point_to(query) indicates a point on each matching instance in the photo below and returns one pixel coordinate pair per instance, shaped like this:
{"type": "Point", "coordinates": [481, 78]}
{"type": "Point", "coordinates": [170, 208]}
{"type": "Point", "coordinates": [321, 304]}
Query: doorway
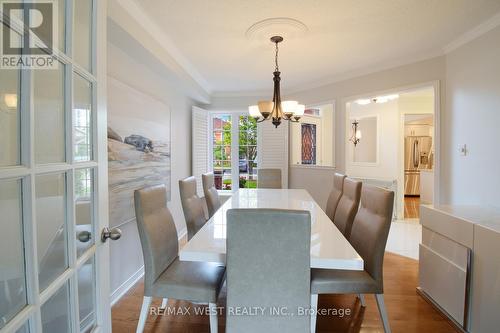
{"type": "Point", "coordinates": [387, 128]}
{"type": "Point", "coordinates": [418, 161]}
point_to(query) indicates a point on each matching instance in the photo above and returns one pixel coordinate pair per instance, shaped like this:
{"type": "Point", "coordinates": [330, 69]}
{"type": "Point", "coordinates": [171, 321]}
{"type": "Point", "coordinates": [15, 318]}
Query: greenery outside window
{"type": "Point", "coordinates": [228, 168]}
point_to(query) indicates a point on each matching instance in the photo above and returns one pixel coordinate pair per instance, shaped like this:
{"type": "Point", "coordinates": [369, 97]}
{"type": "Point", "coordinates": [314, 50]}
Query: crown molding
{"type": "Point", "coordinates": [474, 33]}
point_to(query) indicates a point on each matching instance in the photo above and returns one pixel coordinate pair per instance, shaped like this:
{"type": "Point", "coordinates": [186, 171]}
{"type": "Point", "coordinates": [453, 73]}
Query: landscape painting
{"type": "Point", "coordinates": [138, 148]}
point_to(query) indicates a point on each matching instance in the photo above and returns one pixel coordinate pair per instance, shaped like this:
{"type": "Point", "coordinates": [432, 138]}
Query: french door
{"type": "Point", "coordinates": [53, 182]}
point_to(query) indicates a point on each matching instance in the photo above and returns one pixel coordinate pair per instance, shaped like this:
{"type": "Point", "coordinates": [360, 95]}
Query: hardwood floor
{"type": "Point", "coordinates": [407, 311]}
{"type": "Point", "coordinates": [412, 208]}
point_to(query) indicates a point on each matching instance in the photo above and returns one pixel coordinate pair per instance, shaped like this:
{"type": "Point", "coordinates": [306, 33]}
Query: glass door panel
{"type": "Point", "coordinates": [82, 119]}
{"type": "Point", "coordinates": [86, 292]}
{"type": "Point", "coordinates": [55, 312]}
{"type": "Point", "coordinates": [12, 273]}
{"type": "Point", "coordinates": [83, 33]}
{"type": "Point", "coordinates": [84, 210]}
{"type": "Point", "coordinates": [49, 115]}
{"type": "Point", "coordinates": [55, 191]}
{"type": "Point", "coordinates": [51, 227]}
{"type": "Point", "coordinates": [10, 136]}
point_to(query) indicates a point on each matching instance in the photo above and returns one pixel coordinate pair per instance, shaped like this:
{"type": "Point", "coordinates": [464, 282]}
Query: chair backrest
{"type": "Point", "coordinates": [211, 194]}
{"type": "Point", "coordinates": [157, 232]}
{"type": "Point", "coordinates": [192, 205]}
{"type": "Point", "coordinates": [335, 194]}
{"type": "Point", "coordinates": [268, 266]}
{"type": "Point", "coordinates": [371, 229]}
{"type": "Point", "coordinates": [269, 178]}
{"type": "Point", "coordinates": [347, 206]}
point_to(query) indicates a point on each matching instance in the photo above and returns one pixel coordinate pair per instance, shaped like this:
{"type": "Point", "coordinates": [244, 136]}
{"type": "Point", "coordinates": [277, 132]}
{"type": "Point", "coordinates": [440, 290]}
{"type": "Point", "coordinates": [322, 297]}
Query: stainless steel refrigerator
{"type": "Point", "coordinates": [417, 157]}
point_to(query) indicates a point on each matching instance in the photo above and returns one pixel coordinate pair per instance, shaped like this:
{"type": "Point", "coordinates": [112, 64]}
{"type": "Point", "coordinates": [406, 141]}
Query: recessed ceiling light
{"type": "Point", "coordinates": [363, 101]}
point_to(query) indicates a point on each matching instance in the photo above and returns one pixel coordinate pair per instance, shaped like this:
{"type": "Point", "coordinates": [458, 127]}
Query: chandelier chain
{"type": "Point", "coordinates": [276, 59]}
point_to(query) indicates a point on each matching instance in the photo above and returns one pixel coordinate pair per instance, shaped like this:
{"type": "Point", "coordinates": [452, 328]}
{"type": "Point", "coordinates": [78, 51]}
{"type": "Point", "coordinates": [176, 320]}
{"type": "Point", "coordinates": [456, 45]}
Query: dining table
{"type": "Point", "coordinates": [329, 248]}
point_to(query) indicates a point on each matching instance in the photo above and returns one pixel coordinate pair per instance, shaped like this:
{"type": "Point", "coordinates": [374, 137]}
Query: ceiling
{"type": "Point", "coordinates": [342, 36]}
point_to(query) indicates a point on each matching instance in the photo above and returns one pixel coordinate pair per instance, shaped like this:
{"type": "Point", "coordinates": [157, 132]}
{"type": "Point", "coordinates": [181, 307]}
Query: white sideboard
{"type": "Point", "coordinates": [460, 264]}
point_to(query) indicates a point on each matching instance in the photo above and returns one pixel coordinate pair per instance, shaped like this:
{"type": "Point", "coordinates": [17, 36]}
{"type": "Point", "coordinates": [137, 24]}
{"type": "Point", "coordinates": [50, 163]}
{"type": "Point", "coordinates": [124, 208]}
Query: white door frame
{"type": "Point", "coordinates": [437, 127]}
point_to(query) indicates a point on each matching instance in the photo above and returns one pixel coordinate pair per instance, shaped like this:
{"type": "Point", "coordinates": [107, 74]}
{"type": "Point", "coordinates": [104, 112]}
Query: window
{"type": "Point", "coordinates": [221, 152]}
{"type": "Point", "coordinates": [240, 169]}
{"type": "Point", "coordinates": [247, 152]}
{"type": "Point", "coordinates": [312, 141]}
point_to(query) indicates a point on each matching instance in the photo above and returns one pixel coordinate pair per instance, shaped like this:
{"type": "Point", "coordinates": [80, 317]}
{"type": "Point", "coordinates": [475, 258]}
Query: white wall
{"type": "Point", "coordinates": [386, 166]}
{"type": "Point", "coordinates": [472, 117]}
{"type": "Point", "coordinates": [126, 254]}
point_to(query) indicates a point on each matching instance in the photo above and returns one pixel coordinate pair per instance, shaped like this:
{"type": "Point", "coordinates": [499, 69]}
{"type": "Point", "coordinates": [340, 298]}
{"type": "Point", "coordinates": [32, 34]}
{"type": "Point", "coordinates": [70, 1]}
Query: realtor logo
{"type": "Point", "coordinates": [28, 34]}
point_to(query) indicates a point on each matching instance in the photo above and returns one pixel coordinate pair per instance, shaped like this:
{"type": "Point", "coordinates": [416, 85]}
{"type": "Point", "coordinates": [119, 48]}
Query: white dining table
{"type": "Point", "coordinates": [329, 248]}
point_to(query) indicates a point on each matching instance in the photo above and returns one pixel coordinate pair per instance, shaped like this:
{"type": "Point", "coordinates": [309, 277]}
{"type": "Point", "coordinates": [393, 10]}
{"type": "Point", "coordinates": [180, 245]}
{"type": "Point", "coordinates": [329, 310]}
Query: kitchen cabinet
{"type": "Point", "coordinates": [418, 130]}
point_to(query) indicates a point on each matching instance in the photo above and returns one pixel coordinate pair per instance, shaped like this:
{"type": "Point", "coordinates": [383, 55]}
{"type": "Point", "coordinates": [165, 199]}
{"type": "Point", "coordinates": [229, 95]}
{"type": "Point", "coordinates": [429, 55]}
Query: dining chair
{"type": "Point", "coordinates": [165, 276]}
{"type": "Point", "coordinates": [335, 195]}
{"type": "Point", "coordinates": [369, 238]}
{"type": "Point", "coordinates": [269, 178]}
{"type": "Point", "coordinates": [268, 266]}
{"type": "Point", "coordinates": [211, 194]}
{"type": "Point", "coordinates": [347, 206]}
{"type": "Point", "coordinates": [192, 205]}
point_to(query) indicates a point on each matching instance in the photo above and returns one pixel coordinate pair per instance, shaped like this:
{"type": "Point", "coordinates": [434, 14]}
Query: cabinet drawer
{"type": "Point", "coordinates": [444, 281]}
{"type": "Point", "coordinates": [445, 247]}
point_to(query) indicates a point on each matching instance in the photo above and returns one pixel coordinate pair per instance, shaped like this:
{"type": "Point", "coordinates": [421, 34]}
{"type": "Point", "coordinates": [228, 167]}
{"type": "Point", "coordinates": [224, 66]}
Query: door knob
{"type": "Point", "coordinates": [113, 234]}
{"type": "Point", "coordinates": [84, 236]}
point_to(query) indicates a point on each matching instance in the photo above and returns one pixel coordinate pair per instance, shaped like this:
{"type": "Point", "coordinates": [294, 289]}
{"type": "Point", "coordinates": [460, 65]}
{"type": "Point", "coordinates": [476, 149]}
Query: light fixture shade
{"type": "Point", "coordinates": [358, 135]}
{"type": "Point", "coordinates": [289, 107]}
{"type": "Point", "coordinates": [299, 111]}
{"type": "Point", "coordinates": [363, 101]}
{"type": "Point", "coordinates": [10, 100]}
{"type": "Point", "coordinates": [254, 111]}
{"type": "Point", "coordinates": [265, 108]}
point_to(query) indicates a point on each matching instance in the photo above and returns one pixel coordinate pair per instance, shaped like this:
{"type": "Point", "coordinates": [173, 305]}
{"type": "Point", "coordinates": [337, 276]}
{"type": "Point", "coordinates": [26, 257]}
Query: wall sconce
{"type": "Point", "coordinates": [10, 100]}
{"type": "Point", "coordinates": [356, 133]}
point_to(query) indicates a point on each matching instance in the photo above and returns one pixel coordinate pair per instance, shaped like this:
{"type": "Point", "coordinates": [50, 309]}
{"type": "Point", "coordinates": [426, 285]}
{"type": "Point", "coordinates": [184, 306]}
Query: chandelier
{"type": "Point", "coordinates": [276, 110]}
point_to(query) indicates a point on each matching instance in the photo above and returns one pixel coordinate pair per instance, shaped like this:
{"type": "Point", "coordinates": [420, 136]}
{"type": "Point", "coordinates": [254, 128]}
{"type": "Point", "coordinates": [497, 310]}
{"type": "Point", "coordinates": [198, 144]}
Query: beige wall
{"type": "Point", "coordinates": [472, 117]}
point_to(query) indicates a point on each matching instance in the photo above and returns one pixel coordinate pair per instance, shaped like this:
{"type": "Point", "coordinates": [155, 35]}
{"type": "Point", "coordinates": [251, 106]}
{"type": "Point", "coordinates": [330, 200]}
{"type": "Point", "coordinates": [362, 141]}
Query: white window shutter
{"type": "Point", "coordinates": [272, 148]}
{"type": "Point", "coordinates": [200, 136]}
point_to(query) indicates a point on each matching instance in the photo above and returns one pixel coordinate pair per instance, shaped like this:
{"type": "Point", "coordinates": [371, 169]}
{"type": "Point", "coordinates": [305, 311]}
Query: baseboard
{"type": "Point", "coordinates": [132, 280]}
{"type": "Point", "coordinates": [125, 286]}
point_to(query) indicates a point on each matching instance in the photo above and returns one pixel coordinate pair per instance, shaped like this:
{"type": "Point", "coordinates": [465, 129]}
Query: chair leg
{"type": "Point", "coordinates": [164, 303]}
{"type": "Point", "coordinates": [214, 325]}
{"type": "Point", "coordinates": [362, 300]}
{"type": "Point", "coordinates": [314, 308]}
{"type": "Point", "coordinates": [144, 314]}
{"type": "Point", "coordinates": [383, 312]}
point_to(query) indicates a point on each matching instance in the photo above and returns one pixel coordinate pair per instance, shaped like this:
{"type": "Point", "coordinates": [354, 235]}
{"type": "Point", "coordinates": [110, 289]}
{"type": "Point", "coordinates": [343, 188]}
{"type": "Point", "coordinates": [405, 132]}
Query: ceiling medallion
{"type": "Point", "coordinates": [286, 27]}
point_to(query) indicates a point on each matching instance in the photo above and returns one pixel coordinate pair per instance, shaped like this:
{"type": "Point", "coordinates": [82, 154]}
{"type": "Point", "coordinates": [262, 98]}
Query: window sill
{"type": "Point", "coordinates": [317, 167]}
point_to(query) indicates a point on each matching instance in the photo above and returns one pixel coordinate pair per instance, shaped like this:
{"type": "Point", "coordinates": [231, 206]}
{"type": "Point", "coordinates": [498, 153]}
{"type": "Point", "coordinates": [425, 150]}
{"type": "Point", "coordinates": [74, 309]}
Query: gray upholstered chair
{"type": "Point", "coordinates": [369, 237]}
{"type": "Point", "coordinates": [192, 205]}
{"type": "Point", "coordinates": [347, 206]}
{"type": "Point", "coordinates": [165, 276]}
{"type": "Point", "coordinates": [211, 194]}
{"type": "Point", "coordinates": [335, 195]}
{"type": "Point", "coordinates": [268, 266]}
{"type": "Point", "coordinates": [269, 178]}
